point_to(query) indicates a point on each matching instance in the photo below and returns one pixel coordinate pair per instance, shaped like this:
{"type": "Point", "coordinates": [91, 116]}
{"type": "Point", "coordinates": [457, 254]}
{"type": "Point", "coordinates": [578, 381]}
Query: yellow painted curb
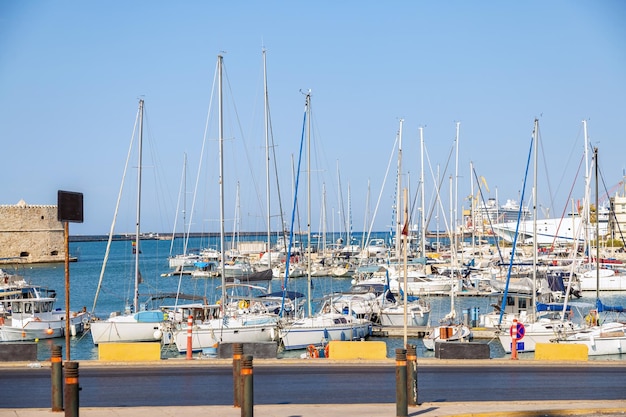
{"type": "Point", "coordinates": [561, 352]}
{"type": "Point", "coordinates": [129, 352]}
{"type": "Point", "coordinates": [357, 350]}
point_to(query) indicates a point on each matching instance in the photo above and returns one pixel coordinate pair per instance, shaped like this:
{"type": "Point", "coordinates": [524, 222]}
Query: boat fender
{"type": "Point", "coordinates": [312, 352]}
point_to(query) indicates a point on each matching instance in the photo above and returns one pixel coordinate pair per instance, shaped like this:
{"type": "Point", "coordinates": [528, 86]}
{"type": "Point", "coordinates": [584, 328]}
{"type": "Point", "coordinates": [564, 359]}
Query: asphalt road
{"type": "Point", "coordinates": [307, 383]}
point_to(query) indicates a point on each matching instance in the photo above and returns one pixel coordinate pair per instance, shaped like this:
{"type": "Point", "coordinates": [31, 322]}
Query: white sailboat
{"type": "Point", "coordinates": [220, 326]}
{"type": "Point", "coordinates": [604, 336]}
{"type": "Point", "coordinates": [133, 325]}
{"type": "Point", "coordinates": [27, 312]}
{"type": "Point", "coordinates": [539, 328]}
{"type": "Point", "coordinates": [450, 330]}
{"type": "Point", "coordinates": [316, 330]}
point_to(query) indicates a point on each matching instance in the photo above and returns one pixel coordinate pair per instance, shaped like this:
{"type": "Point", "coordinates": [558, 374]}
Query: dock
{"type": "Point", "coordinates": [422, 331]}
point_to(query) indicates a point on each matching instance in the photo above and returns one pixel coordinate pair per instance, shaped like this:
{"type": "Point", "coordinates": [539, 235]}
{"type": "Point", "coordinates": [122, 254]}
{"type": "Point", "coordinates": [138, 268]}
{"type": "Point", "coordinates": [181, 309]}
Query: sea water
{"type": "Point", "coordinates": [117, 288]}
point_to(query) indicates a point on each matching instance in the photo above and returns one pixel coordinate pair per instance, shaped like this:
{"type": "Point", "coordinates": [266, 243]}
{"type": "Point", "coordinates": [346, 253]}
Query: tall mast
{"type": "Point", "coordinates": [398, 192]}
{"type": "Point", "coordinates": [221, 147]}
{"type": "Point", "coordinates": [138, 222]}
{"type": "Point", "coordinates": [595, 157]}
{"type": "Point", "coordinates": [308, 192]}
{"type": "Point", "coordinates": [536, 143]}
{"type": "Point", "coordinates": [422, 202]}
{"type": "Point", "coordinates": [267, 166]}
{"type": "Point", "coordinates": [456, 189]}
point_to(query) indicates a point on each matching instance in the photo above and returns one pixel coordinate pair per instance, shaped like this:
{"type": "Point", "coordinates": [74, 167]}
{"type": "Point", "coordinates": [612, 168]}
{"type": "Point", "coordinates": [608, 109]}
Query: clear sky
{"type": "Point", "coordinates": [72, 72]}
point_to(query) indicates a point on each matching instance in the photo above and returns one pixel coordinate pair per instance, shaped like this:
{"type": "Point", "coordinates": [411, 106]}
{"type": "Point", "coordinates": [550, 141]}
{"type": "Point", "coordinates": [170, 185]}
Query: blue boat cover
{"type": "Point", "coordinates": [150, 316]}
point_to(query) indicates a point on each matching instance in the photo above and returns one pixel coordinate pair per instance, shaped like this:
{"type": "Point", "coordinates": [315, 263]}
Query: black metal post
{"type": "Point", "coordinates": [411, 375]}
{"type": "Point", "coordinates": [71, 389]}
{"type": "Point", "coordinates": [57, 378]}
{"type": "Point", "coordinates": [247, 403]}
{"type": "Point", "coordinates": [402, 409]}
{"type": "Point", "coordinates": [237, 357]}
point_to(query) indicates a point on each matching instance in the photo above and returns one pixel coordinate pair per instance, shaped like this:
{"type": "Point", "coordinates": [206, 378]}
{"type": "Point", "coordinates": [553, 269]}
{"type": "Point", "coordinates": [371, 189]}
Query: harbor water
{"type": "Point", "coordinates": [117, 287]}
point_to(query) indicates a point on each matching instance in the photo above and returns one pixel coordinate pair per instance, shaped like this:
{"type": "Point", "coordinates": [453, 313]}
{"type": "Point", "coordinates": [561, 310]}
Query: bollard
{"type": "Point", "coordinates": [71, 389]}
{"type": "Point", "coordinates": [189, 339]}
{"type": "Point", "coordinates": [411, 375]}
{"type": "Point", "coordinates": [57, 378]}
{"type": "Point", "coordinates": [514, 340]}
{"type": "Point", "coordinates": [237, 380]}
{"type": "Point", "coordinates": [402, 409]}
{"type": "Point", "coordinates": [247, 396]}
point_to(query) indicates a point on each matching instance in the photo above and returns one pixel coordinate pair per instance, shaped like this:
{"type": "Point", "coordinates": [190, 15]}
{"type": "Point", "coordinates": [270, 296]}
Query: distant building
{"type": "Point", "coordinates": [30, 234]}
{"type": "Point", "coordinates": [617, 221]}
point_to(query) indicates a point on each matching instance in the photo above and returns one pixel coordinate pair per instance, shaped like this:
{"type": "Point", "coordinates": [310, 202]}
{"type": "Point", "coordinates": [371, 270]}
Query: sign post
{"type": "Point", "coordinates": [517, 332]}
{"type": "Point", "coordinates": [69, 209]}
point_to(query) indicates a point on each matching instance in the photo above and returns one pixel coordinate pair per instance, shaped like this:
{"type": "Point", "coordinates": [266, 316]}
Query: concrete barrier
{"type": "Point", "coordinates": [561, 352]}
{"type": "Point", "coordinates": [462, 350]}
{"type": "Point", "coordinates": [259, 350]}
{"type": "Point", "coordinates": [357, 350]}
{"type": "Point", "coordinates": [129, 352]}
{"type": "Point", "coordinates": [18, 351]}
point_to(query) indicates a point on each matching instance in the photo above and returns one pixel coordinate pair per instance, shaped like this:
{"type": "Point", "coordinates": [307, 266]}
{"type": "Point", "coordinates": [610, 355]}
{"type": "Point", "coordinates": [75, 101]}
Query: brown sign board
{"type": "Point", "coordinates": [70, 206]}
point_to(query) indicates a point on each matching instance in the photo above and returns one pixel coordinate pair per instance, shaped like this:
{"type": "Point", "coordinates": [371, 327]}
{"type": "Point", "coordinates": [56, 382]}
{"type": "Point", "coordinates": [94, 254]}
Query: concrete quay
{"type": "Point", "coordinates": [443, 408]}
{"type": "Point", "coordinates": [459, 409]}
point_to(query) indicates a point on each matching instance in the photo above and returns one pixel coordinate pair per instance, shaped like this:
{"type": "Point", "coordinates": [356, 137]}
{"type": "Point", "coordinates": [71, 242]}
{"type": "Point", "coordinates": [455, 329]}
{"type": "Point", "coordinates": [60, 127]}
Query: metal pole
{"type": "Point", "coordinates": [189, 355]}
{"type": "Point", "coordinates": [71, 389]}
{"type": "Point", "coordinates": [402, 409]}
{"type": "Point", "coordinates": [411, 372]}
{"type": "Point", "coordinates": [514, 340]}
{"type": "Point", "coordinates": [237, 381]}
{"type": "Point", "coordinates": [247, 403]}
{"type": "Point", "coordinates": [66, 232]}
{"type": "Point", "coordinates": [57, 378]}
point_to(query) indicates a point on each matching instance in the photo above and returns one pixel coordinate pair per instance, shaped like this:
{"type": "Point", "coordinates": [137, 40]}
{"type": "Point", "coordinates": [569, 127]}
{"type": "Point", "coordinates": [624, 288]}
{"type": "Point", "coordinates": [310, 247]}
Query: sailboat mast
{"type": "Point", "coordinates": [422, 202]}
{"type": "Point", "coordinates": [221, 146]}
{"type": "Point", "coordinates": [308, 211]}
{"type": "Point", "coordinates": [398, 191]}
{"type": "Point", "coordinates": [267, 165]}
{"type": "Point", "coordinates": [137, 225]}
{"type": "Point", "coordinates": [535, 139]}
{"type": "Point", "coordinates": [595, 157]}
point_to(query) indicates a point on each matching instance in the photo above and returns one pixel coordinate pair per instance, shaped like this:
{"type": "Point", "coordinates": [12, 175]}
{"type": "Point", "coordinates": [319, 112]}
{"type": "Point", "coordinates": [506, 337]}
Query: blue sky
{"type": "Point", "coordinates": [71, 75]}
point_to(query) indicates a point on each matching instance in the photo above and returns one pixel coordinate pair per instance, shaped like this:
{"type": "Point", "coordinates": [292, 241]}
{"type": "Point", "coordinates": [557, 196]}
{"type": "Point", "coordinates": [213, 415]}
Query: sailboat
{"type": "Point", "coordinates": [214, 324]}
{"type": "Point", "coordinates": [133, 325]}
{"type": "Point", "coordinates": [27, 312]}
{"type": "Point", "coordinates": [316, 330]}
{"type": "Point", "coordinates": [541, 327]}
{"type": "Point", "coordinates": [603, 337]}
{"type": "Point", "coordinates": [450, 330]}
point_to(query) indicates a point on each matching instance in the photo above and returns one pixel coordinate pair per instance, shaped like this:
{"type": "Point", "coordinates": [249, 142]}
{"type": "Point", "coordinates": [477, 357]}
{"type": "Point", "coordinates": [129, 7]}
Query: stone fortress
{"type": "Point", "coordinates": [30, 234]}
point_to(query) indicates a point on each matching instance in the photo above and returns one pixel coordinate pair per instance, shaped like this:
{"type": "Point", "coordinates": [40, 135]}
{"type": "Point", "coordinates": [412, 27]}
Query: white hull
{"type": "Point", "coordinates": [447, 334]}
{"type": "Point", "coordinates": [214, 332]}
{"type": "Point", "coordinates": [423, 285]}
{"type": "Point", "coordinates": [42, 329]}
{"type": "Point", "coordinates": [126, 329]}
{"type": "Point", "coordinates": [394, 316]}
{"type": "Point", "coordinates": [548, 230]}
{"type": "Point", "coordinates": [609, 281]}
{"type": "Point", "coordinates": [320, 329]}
{"type": "Point", "coordinates": [608, 339]}
{"type": "Point", "coordinates": [542, 331]}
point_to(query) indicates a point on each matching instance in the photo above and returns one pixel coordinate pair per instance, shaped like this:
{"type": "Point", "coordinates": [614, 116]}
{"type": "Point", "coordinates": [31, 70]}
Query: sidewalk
{"type": "Point", "coordinates": [514, 408]}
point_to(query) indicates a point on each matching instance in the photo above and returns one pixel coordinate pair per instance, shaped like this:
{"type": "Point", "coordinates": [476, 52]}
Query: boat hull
{"type": "Point", "coordinates": [319, 330]}
{"type": "Point", "coordinates": [125, 329]}
{"type": "Point", "coordinates": [208, 335]}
